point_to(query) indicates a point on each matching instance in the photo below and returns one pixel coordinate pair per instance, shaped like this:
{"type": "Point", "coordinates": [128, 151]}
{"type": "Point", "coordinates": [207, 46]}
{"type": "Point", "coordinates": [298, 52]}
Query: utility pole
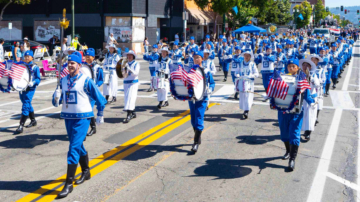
{"type": "Point", "coordinates": [73, 17]}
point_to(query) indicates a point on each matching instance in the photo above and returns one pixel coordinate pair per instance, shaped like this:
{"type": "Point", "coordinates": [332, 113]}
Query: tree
{"type": "Point", "coordinates": [245, 12]}
{"type": "Point", "coordinates": [320, 12]}
{"type": "Point", "coordinates": [306, 11]}
{"type": "Point", "coordinates": [220, 7]}
{"type": "Point", "coordinates": [265, 7]}
{"type": "Point", "coordinates": [8, 2]}
{"type": "Point", "coordinates": [284, 16]}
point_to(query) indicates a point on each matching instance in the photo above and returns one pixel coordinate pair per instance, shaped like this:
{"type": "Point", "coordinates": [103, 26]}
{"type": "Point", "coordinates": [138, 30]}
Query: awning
{"type": "Point", "coordinates": [201, 17]}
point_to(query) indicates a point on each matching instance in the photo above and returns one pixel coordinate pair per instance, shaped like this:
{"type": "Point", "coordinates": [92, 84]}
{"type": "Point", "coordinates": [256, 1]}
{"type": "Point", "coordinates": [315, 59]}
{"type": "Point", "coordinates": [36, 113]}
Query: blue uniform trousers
{"type": "Point", "coordinates": [335, 72]}
{"type": "Point", "coordinates": [290, 127]}
{"type": "Point", "coordinates": [328, 76]}
{"type": "Point", "coordinates": [76, 130]}
{"type": "Point", "coordinates": [266, 77]}
{"type": "Point", "coordinates": [225, 66]}
{"type": "Point", "coordinates": [152, 71]}
{"type": "Point", "coordinates": [313, 50]}
{"type": "Point", "coordinates": [197, 112]}
{"type": "Point", "coordinates": [26, 98]}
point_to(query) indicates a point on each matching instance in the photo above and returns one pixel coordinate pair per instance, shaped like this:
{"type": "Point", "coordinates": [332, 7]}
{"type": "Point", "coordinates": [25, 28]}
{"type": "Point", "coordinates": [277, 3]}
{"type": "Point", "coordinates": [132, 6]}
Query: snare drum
{"type": "Point", "coordinates": [160, 80]}
{"type": "Point", "coordinates": [183, 90]}
{"type": "Point", "coordinates": [285, 104]}
{"type": "Point", "coordinates": [20, 77]}
{"type": "Point", "coordinates": [86, 70]}
{"type": "Point", "coordinates": [243, 85]}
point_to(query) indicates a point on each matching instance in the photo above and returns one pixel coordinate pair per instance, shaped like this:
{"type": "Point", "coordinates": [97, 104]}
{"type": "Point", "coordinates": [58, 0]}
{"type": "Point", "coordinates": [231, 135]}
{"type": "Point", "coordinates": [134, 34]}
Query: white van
{"type": "Point", "coordinates": [325, 32]}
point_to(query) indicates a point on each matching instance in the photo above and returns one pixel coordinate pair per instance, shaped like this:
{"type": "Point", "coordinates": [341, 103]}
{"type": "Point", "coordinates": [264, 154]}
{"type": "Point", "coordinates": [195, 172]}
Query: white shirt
{"type": "Point", "coordinates": [64, 48]}
{"type": "Point", "coordinates": [110, 40]}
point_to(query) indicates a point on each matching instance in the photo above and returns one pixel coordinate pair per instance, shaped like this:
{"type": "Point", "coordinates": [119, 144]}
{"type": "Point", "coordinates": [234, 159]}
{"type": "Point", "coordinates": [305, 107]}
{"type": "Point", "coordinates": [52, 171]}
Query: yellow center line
{"type": "Point", "coordinates": [166, 156]}
{"type": "Point", "coordinates": [105, 163]}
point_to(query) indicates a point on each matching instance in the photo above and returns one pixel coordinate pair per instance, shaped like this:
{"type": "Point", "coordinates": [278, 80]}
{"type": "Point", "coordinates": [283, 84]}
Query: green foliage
{"type": "Point", "coordinates": [22, 2]}
{"type": "Point", "coordinates": [219, 6]}
{"type": "Point", "coordinates": [320, 11]}
{"type": "Point", "coordinates": [8, 2]}
{"type": "Point", "coordinates": [306, 11]}
{"type": "Point", "coordinates": [245, 12]}
{"type": "Point", "coordinates": [274, 11]}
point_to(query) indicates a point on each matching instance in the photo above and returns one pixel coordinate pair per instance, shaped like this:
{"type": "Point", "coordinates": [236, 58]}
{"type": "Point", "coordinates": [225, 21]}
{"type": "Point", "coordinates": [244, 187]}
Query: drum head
{"type": "Point", "coordinates": [21, 79]}
{"type": "Point", "coordinates": [86, 70]}
{"type": "Point", "coordinates": [199, 91]}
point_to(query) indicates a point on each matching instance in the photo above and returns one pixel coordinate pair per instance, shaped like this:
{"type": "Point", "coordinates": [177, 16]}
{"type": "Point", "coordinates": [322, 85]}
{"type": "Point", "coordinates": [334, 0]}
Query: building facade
{"type": "Point", "coordinates": [129, 20]}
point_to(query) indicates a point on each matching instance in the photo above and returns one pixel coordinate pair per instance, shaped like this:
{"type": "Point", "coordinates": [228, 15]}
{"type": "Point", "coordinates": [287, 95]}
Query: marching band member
{"type": "Point", "coordinates": [26, 96]}
{"type": "Point", "coordinates": [217, 49]}
{"type": "Point", "coordinates": [209, 66]}
{"type": "Point", "coordinates": [328, 70]}
{"type": "Point", "coordinates": [267, 60]}
{"type": "Point", "coordinates": [131, 85]}
{"type": "Point", "coordinates": [207, 40]}
{"type": "Point", "coordinates": [210, 47]}
{"type": "Point", "coordinates": [290, 123]}
{"type": "Point", "coordinates": [189, 60]}
{"type": "Point", "coordinates": [223, 54]}
{"type": "Point", "coordinates": [247, 72]}
{"type": "Point", "coordinates": [77, 93]}
{"type": "Point", "coordinates": [110, 62]}
{"type": "Point", "coordinates": [273, 44]}
{"type": "Point", "coordinates": [153, 59]}
{"type": "Point", "coordinates": [191, 46]}
{"type": "Point", "coordinates": [336, 55]}
{"type": "Point", "coordinates": [163, 71]}
{"type": "Point", "coordinates": [176, 54]}
{"type": "Point", "coordinates": [98, 80]}
{"type": "Point", "coordinates": [320, 72]}
{"type": "Point", "coordinates": [197, 108]}
{"type": "Point", "coordinates": [302, 47]}
{"type": "Point", "coordinates": [313, 45]}
{"type": "Point", "coordinates": [235, 64]}
{"type": "Point", "coordinates": [280, 60]}
{"type": "Point", "coordinates": [308, 125]}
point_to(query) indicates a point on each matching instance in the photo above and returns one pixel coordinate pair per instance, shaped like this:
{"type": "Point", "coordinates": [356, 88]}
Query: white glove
{"type": "Point", "coordinates": [230, 56]}
{"type": "Point", "coordinates": [100, 120]}
{"type": "Point", "coordinates": [313, 105]}
{"type": "Point", "coordinates": [57, 95]}
{"type": "Point", "coordinates": [31, 84]}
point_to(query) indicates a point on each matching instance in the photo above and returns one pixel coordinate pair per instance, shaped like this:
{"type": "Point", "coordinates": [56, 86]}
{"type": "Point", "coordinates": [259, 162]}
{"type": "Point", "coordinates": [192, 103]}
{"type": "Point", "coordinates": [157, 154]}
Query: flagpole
{"type": "Point", "coordinates": [64, 23]}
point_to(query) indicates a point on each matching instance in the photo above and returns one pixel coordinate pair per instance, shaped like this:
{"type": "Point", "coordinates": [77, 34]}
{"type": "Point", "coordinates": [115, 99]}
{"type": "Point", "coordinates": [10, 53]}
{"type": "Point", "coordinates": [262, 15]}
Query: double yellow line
{"type": "Point", "coordinates": [49, 192]}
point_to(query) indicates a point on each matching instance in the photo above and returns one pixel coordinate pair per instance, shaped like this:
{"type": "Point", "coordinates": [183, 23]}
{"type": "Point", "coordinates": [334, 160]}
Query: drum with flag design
{"type": "Point", "coordinates": [287, 92]}
{"type": "Point", "coordinates": [5, 81]}
{"type": "Point", "coordinates": [187, 83]}
{"type": "Point", "coordinates": [20, 76]}
{"type": "Point", "coordinates": [86, 70]}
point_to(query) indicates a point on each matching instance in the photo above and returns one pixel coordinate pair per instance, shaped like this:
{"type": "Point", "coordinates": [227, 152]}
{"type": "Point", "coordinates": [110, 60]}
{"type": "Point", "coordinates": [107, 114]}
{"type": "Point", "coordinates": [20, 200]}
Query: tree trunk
{"type": "Point", "coordinates": [3, 9]}
{"type": "Point", "coordinates": [215, 31]}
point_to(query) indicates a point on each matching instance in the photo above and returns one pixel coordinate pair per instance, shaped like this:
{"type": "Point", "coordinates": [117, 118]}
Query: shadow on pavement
{"type": "Point", "coordinates": [30, 141]}
{"type": "Point", "coordinates": [257, 139]}
{"type": "Point", "coordinates": [26, 186]}
{"type": "Point", "coordinates": [233, 168]}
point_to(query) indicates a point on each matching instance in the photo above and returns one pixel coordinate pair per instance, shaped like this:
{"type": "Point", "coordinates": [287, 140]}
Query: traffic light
{"type": "Point", "coordinates": [358, 12]}
{"type": "Point", "coordinates": [342, 8]}
{"type": "Point", "coordinates": [327, 9]}
{"type": "Point", "coordinates": [345, 11]}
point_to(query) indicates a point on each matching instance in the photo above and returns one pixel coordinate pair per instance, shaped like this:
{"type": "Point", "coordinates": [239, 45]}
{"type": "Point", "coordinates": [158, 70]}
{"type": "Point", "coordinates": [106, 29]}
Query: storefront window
{"type": "Point", "coordinates": [120, 27]}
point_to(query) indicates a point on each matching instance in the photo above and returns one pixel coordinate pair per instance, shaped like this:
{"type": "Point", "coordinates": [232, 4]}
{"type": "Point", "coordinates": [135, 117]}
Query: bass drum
{"type": "Point", "coordinates": [199, 90]}
{"type": "Point", "coordinates": [180, 91]}
{"type": "Point", "coordinates": [21, 76]}
{"type": "Point", "coordinates": [86, 70]}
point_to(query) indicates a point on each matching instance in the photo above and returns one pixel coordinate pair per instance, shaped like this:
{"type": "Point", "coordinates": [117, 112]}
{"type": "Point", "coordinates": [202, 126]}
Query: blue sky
{"type": "Point", "coordinates": [337, 3]}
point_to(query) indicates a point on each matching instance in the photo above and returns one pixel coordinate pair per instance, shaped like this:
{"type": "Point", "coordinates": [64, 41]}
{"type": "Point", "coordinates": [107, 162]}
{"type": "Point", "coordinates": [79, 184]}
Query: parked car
{"type": "Point", "coordinates": [40, 50]}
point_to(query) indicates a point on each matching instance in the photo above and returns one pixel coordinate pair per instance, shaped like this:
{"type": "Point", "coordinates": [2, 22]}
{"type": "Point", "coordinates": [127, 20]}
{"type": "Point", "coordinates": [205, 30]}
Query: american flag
{"type": "Point", "coordinates": [303, 84]}
{"type": "Point", "coordinates": [17, 71]}
{"type": "Point", "coordinates": [3, 70]}
{"type": "Point", "coordinates": [278, 88]}
{"type": "Point", "coordinates": [180, 74]}
{"type": "Point", "coordinates": [194, 77]}
{"type": "Point", "coordinates": [64, 71]}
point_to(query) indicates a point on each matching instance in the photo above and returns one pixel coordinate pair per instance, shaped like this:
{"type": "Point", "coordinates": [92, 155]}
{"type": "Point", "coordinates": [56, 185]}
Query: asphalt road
{"type": "Point", "coordinates": [148, 159]}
